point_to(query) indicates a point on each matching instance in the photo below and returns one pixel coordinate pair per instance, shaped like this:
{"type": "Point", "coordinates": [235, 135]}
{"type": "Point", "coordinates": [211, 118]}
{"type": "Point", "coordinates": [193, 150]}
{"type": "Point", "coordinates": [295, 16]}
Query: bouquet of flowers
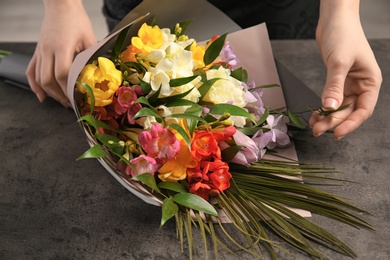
{"type": "Point", "coordinates": [178, 123]}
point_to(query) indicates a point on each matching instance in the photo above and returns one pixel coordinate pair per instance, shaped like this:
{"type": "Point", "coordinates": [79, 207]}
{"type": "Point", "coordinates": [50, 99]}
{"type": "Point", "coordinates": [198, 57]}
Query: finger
{"type": "Point", "coordinates": [63, 63]}
{"type": "Point", "coordinates": [48, 81]}
{"type": "Point", "coordinates": [351, 123]}
{"type": "Point", "coordinates": [30, 73]}
{"type": "Point", "coordinates": [365, 105]}
{"type": "Point", "coordinates": [315, 117]}
{"type": "Point", "coordinates": [325, 123]}
{"type": "Point", "coordinates": [333, 93]}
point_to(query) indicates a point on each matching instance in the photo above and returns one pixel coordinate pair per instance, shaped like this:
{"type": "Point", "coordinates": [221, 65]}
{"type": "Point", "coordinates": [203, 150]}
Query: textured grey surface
{"type": "Point", "coordinates": [53, 207]}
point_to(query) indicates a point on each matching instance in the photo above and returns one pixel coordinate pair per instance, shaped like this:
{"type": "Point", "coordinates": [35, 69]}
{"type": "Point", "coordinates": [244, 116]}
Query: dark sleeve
{"type": "Point", "coordinates": [285, 19]}
{"type": "Point", "coordinates": [115, 10]}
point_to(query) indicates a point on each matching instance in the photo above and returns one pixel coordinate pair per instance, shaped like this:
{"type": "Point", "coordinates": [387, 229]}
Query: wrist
{"type": "Point", "coordinates": [60, 4]}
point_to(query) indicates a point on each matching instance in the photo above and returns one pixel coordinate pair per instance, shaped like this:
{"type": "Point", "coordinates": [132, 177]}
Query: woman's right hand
{"type": "Point", "coordinates": [66, 30]}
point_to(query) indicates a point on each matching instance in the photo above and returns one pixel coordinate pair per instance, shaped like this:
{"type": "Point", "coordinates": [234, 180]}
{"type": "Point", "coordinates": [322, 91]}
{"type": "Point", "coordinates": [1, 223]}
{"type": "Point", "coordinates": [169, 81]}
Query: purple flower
{"type": "Point", "coordinates": [253, 96]}
{"type": "Point", "coordinates": [228, 56]}
{"type": "Point", "coordinates": [250, 152]}
{"type": "Point", "coordinates": [275, 137]}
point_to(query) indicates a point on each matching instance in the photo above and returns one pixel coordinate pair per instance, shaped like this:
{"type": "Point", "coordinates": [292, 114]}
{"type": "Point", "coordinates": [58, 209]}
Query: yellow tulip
{"type": "Point", "coordinates": [103, 78]}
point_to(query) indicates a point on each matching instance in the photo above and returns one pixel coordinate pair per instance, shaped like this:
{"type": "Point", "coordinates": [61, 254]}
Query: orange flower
{"type": "Point", "coordinates": [205, 142]}
{"type": "Point", "coordinates": [175, 169]}
{"type": "Point", "coordinates": [209, 178]}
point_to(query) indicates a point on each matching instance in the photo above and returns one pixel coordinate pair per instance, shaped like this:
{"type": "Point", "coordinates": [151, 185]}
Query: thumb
{"type": "Point", "coordinates": [333, 93]}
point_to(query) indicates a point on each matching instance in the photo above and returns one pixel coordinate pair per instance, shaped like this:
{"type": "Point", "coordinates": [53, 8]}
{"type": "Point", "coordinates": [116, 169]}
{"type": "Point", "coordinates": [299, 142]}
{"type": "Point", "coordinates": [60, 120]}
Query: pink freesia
{"type": "Point", "coordinates": [125, 103]}
{"type": "Point", "coordinates": [142, 164]}
{"type": "Point", "coordinates": [159, 143]}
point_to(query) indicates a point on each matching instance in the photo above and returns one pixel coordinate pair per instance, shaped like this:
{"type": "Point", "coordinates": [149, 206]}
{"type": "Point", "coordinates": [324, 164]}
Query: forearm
{"type": "Point", "coordinates": [334, 11]}
{"type": "Point", "coordinates": [51, 5]}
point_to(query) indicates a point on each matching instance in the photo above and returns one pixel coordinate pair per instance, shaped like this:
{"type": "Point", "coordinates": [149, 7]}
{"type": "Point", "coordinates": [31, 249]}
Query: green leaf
{"type": "Point", "coordinates": [95, 151]}
{"type": "Point", "coordinates": [95, 123]}
{"type": "Point", "coordinates": [193, 122]}
{"type": "Point", "coordinates": [205, 87]}
{"type": "Point", "coordinates": [182, 132]}
{"type": "Point", "coordinates": [111, 142]}
{"type": "Point", "coordinates": [294, 118]}
{"type": "Point", "coordinates": [143, 100]}
{"type": "Point", "coordinates": [181, 103]}
{"type": "Point", "coordinates": [214, 49]}
{"type": "Point", "coordinates": [195, 202]}
{"type": "Point", "coordinates": [173, 186]}
{"type": "Point", "coordinates": [119, 43]}
{"type": "Point", "coordinates": [266, 86]}
{"type": "Point", "coordinates": [146, 87]}
{"type": "Point", "coordinates": [189, 116]}
{"type": "Point", "coordinates": [181, 81]}
{"type": "Point", "coordinates": [139, 67]}
{"type": "Point", "coordinates": [149, 180]}
{"type": "Point", "coordinates": [89, 93]}
{"type": "Point", "coordinates": [233, 110]}
{"type": "Point", "coordinates": [148, 112]}
{"type": "Point", "coordinates": [249, 130]}
{"type": "Point", "coordinates": [263, 117]}
{"type": "Point", "coordinates": [168, 209]}
{"type": "Point", "coordinates": [169, 99]}
{"type": "Point", "coordinates": [240, 74]}
{"type": "Point", "coordinates": [229, 153]}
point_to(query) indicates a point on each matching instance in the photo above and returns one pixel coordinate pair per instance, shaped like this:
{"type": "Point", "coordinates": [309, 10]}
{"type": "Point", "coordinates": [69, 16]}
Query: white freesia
{"type": "Point", "coordinates": [156, 56]}
{"type": "Point", "coordinates": [227, 90]}
{"type": "Point", "coordinates": [168, 38]}
{"type": "Point", "coordinates": [146, 122]}
{"type": "Point", "coordinates": [158, 79]}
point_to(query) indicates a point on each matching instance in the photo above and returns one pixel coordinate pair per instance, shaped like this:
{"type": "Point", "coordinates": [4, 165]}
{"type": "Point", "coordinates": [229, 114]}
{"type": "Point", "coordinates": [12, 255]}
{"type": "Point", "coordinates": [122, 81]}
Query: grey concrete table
{"type": "Point", "coordinates": [52, 207]}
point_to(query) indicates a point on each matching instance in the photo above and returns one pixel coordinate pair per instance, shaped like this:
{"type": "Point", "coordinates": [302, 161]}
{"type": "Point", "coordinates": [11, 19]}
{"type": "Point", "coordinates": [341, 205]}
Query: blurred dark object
{"type": "Point", "coordinates": [13, 69]}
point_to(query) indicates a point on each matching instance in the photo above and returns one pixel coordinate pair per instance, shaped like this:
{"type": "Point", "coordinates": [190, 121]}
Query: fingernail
{"type": "Point", "coordinates": [331, 103]}
{"type": "Point", "coordinates": [40, 96]}
{"type": "Point", "coordinates": [340, 137]}
{"type": "Point", "coordinates": [318, 134]}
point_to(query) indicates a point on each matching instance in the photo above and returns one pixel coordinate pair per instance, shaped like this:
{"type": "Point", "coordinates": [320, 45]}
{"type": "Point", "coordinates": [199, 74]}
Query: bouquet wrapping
{"type": "Point", "coordinates": [201, 129]}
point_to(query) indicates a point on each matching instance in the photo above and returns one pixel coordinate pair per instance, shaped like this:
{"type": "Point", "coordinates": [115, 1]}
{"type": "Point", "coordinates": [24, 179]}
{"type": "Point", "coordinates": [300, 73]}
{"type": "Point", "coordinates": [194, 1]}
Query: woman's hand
{"type": "Point", "coordinates": [353, 75]}
{"type": "Point", "coordinates": [66, 30]}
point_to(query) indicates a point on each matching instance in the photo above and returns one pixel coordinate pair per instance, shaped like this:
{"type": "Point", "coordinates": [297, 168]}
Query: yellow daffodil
{"type": "Point", "coordinates": [103, 78]}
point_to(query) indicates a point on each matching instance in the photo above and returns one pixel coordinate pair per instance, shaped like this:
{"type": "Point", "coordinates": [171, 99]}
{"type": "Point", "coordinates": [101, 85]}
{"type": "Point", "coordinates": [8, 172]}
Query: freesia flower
{"type": "Point", "coordinates": [159, 142]}
{"type": "Point", "coordinates": [149, 38]}
{"type": "Point", "coordinates": [204, 145]}
{"type": "Point", "coordinates": [247, 155]}
{"type": "Point", "coordinates": [104, 80]}
{"type": "Point", "coordinates": [228, 56]}
{"type": "Point", "coordinates": [142, 164]}
{"type": "Point", "coordinates": [275, 137]}
{"type": "Point", "coordinates": [209, 178]}
{"type": "Point", "coordinates": [125, 104]}
{"type": "Point", "coordinates": [198, 52]}
{"type": "Point", "coordinates": [175, 169]}
{"type": "Point", "coordinates": [226, 90]}
{"type": "Point", "coordinates": [158, 79]}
